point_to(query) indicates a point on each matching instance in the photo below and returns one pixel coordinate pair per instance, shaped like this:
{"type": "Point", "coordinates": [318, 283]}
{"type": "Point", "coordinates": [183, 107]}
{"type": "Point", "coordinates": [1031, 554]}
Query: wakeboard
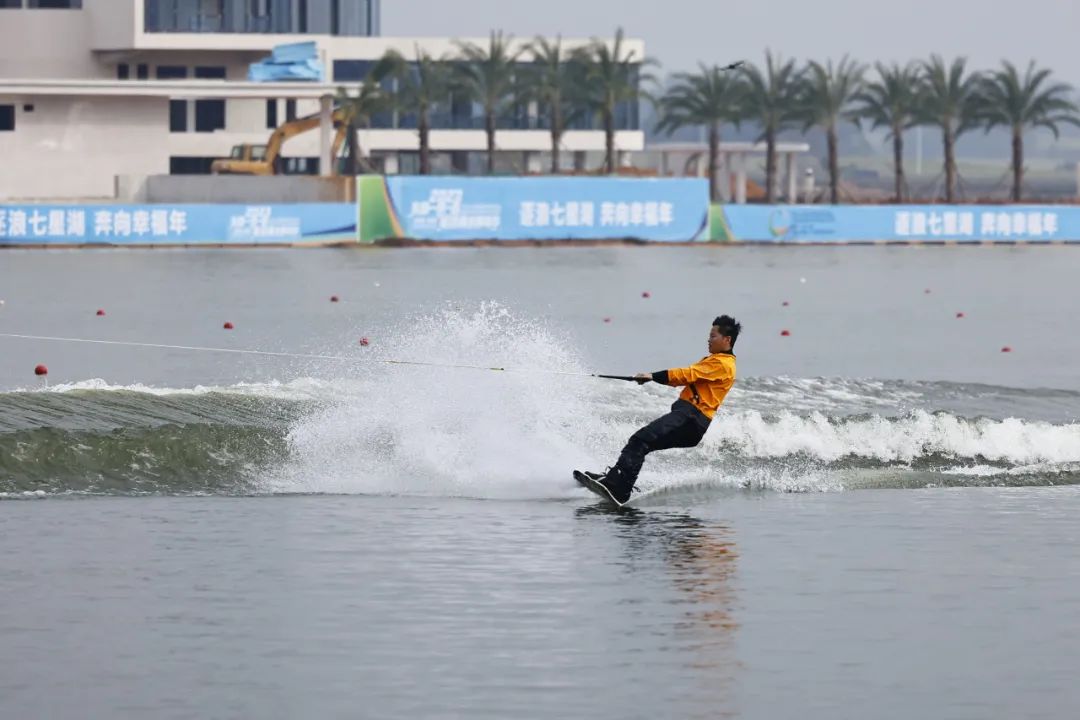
{"type": "Point", "coordinates": [597, 488]}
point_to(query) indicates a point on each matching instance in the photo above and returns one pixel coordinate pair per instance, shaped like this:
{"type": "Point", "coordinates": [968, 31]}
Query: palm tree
{"type": "Point", "coordinates": [825, 102]}
{"type": "Point", "coordinates": [371, 98]}
{"type": "Point", "coordinates": [950, 99]}
{"type": "Point", "coordinates": [421, 86]}
{"type": "Point", "coordinates": [771, 98]}
{"type": "Point", "coordinates": [891, 102]}
{"type": "Point", "coordinates": [553, 80]}
{"type": "Point", "coordinates": [707, 98]}
{"type": "Point", "coordinates": [487, 76]}
{"type": "Point", "coordinates": [613, 75]}
{"type": "Point", "coordinates": [1019, 102]}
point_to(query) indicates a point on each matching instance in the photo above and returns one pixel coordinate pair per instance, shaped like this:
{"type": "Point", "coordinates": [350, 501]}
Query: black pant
{"type": "Point", "coordinates": [684, 426]}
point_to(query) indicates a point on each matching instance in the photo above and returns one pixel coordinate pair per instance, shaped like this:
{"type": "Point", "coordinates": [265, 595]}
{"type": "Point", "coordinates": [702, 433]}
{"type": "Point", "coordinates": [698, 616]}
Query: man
{"type": "Point", "coordinates": [707, 384]}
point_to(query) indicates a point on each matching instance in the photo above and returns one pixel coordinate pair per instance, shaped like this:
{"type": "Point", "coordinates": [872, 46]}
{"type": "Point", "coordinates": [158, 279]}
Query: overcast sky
{"type": "Point", "coordinates": [679, 33]}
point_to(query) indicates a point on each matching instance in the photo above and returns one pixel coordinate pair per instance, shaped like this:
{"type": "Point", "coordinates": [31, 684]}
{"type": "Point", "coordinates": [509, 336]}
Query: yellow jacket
{"type": "Point", "coordinates": [707, 381]}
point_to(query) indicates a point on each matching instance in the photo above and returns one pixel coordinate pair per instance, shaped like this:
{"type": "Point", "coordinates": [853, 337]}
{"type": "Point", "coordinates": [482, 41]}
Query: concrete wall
{"type": "Point", "coordinates": [112, 23]}
{"type": "Point", "coordinates": [49, 43]}
{"type": "Point", "coordinates": [73, 147]}
{"type": "Point", "coordinates": [236, 189]}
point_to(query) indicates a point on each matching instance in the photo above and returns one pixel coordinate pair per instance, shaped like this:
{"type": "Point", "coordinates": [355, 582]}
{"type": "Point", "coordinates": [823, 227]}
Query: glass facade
{"type": "Point", "coordinates": [39, 4]}
{"type": "Point", "coordinates": [287, 17]}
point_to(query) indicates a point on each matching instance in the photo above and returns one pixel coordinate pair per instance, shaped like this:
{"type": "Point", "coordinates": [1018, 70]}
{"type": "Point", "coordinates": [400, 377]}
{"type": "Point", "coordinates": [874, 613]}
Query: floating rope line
{"type": "Point", "coordinates": [305, 356]}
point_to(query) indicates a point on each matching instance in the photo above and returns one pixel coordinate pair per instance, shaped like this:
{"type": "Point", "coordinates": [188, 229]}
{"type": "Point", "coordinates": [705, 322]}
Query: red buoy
{"type": "Point", "coordinates": [646, 294]}
{"type": "Point", "coordinates": [228, 326]}
{"type": "Point", "coordinates": [100, 313]}
{"type": "Point", "coordinates": [607, 320]}
{"type": "Point", "coordinates": [364, 341]}
{"type": "Point", "coordinates": [926, 291]}
{"type": "Point", "coordinates": [41, 370]}
{"type": "Point", "coordinates": [785, 333]}
{"type": "Point", "coordinates": [333, 298]}
{"type": "Point", "coordinates": [1006, 349]}
{"type": "Point", "coordinates": [785, 303]}
{"type": "Point", "coordinates": [959, 314]}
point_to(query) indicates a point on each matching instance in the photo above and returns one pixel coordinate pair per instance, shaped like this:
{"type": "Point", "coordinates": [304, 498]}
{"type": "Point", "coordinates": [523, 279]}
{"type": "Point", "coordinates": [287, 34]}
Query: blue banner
{"type": "Point", "coordinates": [302, 223]}
{"type": "Point", "coordinates": [549, 208]}
{"type": "Point", "coordinates": [898, 223]}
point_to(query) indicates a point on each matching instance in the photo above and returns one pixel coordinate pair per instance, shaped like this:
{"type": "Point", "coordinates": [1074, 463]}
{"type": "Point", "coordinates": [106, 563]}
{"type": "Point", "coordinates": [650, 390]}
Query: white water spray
{"type": "Point", "coordinates": [444, 432]}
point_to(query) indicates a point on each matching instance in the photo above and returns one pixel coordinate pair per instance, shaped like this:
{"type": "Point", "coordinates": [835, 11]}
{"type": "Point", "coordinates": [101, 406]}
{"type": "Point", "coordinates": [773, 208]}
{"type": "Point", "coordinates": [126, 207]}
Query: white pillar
{"type": "Point", "coordinates": [326, 128]}
{"type": "Point", "coordinates": [664, 163]}
{"type": "Point", "coordinates": [740, 178]}
{"type": "Point", "coordinates": [792, 175]}
{"type": "Point", "coordinates": [533, 164]}
{"type": "Point", "coordinates": [808, 186]}
{"type": "Point", "coordinates": [390, 164]}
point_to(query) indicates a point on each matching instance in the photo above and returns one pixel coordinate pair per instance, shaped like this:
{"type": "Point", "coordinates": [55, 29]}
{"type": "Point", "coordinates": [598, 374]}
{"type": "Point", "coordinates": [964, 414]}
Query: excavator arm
{"type": "Point", "coordinates": [271, 162]}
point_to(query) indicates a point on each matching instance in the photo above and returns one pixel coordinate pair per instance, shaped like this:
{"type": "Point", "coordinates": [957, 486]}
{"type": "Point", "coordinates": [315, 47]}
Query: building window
{"type": "Point", "coordinates": [209, 114]}
{"type": "Point", "coordinates": [28, 108]}
{"type": "Point", "coordinates": [10, 4]}
{"type": "Point", "coordinates": [180, 165]}
{"type": "Point", "coordinates": [171, 72]}
{"type": "Point", "coordinates": [210, 73]}
{"type": "Point", "coordinates": [57, 4]}
{"type": "Point", "coordinates": [142, 72]}
{"type": "Point", "coordinates": [7, 118]}
{"type": "Point", "coordinates": [271, 114]}
{"type": "Point", "coordinates": [352, 70]}
{"type": "Point", "coordinates": [178, 116]}
{"type": "Point", "coordinates": [177, 108]}
{"type": "Point", "coordinates": [333, 17]}
{"type": "Point", "coordinates": [123, 72]}
{"type": "Point", "coordinates": [290, 110]}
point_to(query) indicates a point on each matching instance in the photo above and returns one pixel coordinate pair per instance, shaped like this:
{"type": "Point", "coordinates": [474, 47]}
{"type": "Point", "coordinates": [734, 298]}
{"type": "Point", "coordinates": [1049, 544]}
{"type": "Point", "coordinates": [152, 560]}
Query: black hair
{"type": "Point", "coordinates": [729, 327]}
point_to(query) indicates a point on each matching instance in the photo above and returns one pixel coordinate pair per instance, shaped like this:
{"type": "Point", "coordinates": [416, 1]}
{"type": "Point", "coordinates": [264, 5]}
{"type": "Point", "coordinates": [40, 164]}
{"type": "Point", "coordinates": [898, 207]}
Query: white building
{"type": "Point", "coordinates": [95, 89]}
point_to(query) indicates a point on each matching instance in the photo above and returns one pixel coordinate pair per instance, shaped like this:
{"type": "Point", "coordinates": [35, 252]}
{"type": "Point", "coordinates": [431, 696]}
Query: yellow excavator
{"type": "Point", "coordinates": [266, 159]}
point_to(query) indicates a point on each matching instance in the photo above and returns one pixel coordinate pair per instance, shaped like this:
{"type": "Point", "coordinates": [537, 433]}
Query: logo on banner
{"type": "Point", "coordinates": [446, 209]}
{"type": "Point", "coordinates": [259, 223]}
{"type": "Point", "coordinates": [779, 222]}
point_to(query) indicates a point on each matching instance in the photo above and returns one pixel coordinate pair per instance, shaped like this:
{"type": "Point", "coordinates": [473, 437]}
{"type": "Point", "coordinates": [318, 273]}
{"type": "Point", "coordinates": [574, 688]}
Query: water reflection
{"type": "Point", "coordinates": [700, 559]}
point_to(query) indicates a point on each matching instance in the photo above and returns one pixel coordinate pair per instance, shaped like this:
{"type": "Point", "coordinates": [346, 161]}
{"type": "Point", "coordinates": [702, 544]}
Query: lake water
{"type": "Point", "coordinates": [879, 523]}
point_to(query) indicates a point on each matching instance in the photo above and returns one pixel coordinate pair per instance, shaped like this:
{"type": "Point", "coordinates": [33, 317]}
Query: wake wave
{"type": "Point", "coordinates": [430, 431]}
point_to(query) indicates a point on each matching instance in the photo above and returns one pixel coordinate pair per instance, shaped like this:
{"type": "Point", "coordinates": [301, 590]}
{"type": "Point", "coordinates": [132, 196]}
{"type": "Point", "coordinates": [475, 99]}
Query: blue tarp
{"type": "Point", "coordinates": [295, 61]}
